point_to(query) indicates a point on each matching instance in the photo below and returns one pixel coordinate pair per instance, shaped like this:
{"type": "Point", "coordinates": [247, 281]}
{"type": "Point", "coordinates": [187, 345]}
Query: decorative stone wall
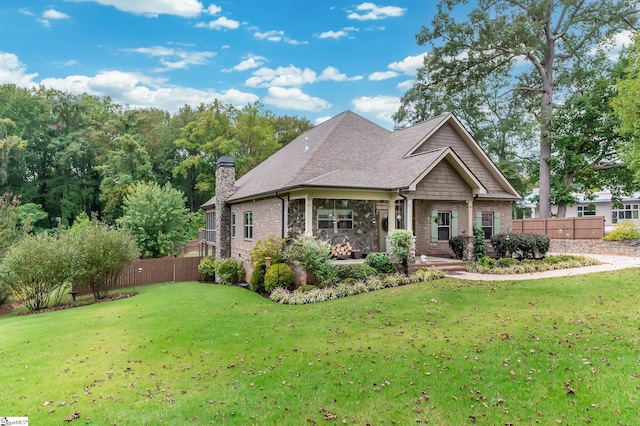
{"type": "Point", "coordinates": [225, 187]}
{"type": "Point", "coordinates": [594, 247]}
{"type": "Point", "coordinates": [364, 234]}
{"type": "Point", "coordinates": [296, 214]}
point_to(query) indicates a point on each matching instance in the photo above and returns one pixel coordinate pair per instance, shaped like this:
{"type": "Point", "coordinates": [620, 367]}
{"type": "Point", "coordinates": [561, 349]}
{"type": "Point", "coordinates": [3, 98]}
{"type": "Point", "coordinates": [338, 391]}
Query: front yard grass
{"type": "Point", "coordinates": [562, 350]}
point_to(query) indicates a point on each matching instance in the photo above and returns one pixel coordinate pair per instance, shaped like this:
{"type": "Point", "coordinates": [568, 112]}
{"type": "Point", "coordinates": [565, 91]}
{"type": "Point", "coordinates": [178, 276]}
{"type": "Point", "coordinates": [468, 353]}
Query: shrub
{"type": "Point", "coordinates": [315, 256]}
{"type": "Point", "coordinates": [100, 253]}
{"type": "Point", "coordinates": [487, 262]}
{"type": "Point", "coordinates": [229, 270]}
{"type": "Point", "coordinates": [529, 246]}
{"type": "Point", "coordinates": [421, 275]}
{"type": "Point", "coordinates": [624, 231]}
{"type": "Point", "coordinates": [358, 271]}
{"type": "Point", "coordinates": [37, 270]}
{"type": "Point", "coordinates": [380, 262]}
{"type": "Point", "coordinates": [256, 281]}
{"type": "Point", "coordinates": [502, 245]}
{"type": "Point", "coordinates": [207, 268]}
{"type": "Point", "coordinates": [479, 246]}
{"type": "Point", "coordinates": [506, 262]}
{"type": "Point", "coordinates": [279, 275]}
{"type": "Point", "coordinates": [271, 247]}
{"type": "Point", "coordinates": [457, 246]}
{"type": "Point", "coordinates": [401, 241]}
{"type": "Point", "coordinates": [307, 287]}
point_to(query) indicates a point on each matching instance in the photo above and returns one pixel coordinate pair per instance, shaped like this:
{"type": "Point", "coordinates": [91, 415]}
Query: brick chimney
{"type": "Point", "coordinates": [225, 187]}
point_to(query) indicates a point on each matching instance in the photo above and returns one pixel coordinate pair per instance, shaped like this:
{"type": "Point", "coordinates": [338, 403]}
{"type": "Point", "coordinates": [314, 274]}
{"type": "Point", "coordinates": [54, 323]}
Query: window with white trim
{"type": "Point", "coordinates": [625, 212]}
{"type": "Point", "coordinates": [487, 224]}
{"type": "Point", "coordinates": [444, 226]}
{"type": "Point", "coordinates": [248, 225]}
{"type": "Point", "coordinates": [341, 218]}
{"type": "Point", "coordinates": [589, 210]}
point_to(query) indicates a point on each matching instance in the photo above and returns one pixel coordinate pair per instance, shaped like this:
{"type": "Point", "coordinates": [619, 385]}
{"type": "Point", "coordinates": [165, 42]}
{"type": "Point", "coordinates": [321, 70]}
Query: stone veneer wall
{"type": "Point", "coordinates": [593, 247]}
{"type": "Point", "coordinates": [225, 187]}
{"type": "Point", "coordinates": [364, 234]}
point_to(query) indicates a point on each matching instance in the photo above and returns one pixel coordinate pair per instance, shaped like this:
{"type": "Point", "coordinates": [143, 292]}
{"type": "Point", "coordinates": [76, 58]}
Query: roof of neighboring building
{"type": "Point", "coordinates": [349, 151]}
{"type": "Point", "coordinates": [595, 197]}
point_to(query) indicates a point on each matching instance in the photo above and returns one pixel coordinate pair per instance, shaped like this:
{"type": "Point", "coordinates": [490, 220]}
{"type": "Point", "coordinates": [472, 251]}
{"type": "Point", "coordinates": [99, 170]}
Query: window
{"type": "Point", "coordinates": [342, 218]}
{"type": "Point", "coordinates": [444, 226]}
{"type": "Point", "coordinates": [233, 225]}
{"type": "Point", "coordinates": [589, 210]}
{"type": "Point", "coordinates": [487, 224]}
{"type": "Point", "coordinates": [248, 225]}
{"type": "Point", "coordinates": [626, 211]}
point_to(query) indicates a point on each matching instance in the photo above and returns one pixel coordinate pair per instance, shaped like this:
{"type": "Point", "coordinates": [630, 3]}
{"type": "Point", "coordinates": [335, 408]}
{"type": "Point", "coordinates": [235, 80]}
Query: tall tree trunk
{"type": "Point", "coordinates": [545, 125]}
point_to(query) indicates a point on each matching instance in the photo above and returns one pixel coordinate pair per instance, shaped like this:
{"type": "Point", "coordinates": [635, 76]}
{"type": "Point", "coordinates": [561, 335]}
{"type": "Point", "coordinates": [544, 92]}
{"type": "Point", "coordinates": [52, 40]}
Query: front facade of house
{"type": "Point", "coordinates": [350, 180]}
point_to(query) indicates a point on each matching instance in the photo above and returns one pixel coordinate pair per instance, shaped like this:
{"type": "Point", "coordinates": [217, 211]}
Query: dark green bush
{"type": "Point", "coordinates": [359, 271]}
{"type": "Point", "coordinates": [380, 262]}
{"type": "Point", "coordinates": [256, 282]}
{"type": "Point", "coordinates": [229, 270]}
{"type": "Point", "coordinates": [207, 268]}
{"type": "Point", "coordinates": [502, 245]}
{"type": "Point", "coordinates": [279, 275]}
{"type": "Point", "coordinates": [457, 246]}
{"type": "Point", "coordinates": [479, 246]}
{"type": "Point", "coordinates": [529, 246]}
{"type": "Point", "coordinates": [506, 262]}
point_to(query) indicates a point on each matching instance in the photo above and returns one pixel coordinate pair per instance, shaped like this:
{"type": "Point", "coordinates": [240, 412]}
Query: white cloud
{"type": "Point", "coordinates": [139, 91]}
{"type": "Point", "coordinates": [382, 107]}
{"type": "Point", "coordinates": [281, 76]}
{"type": "Point", "coordinates": [334, 74]}
{"type": "Point", "coordinates": [294, 98]}
{"type": "Point", "coordinates": [54, 14]}
{"type": "Point", "coordinates": [406, 85]}
{"type": "Point", "coordinates": [276, 36]}
{"type": "Point", "coordinates": [382, 75]}
{"type": "Point", "coordinates": [26, 11]}
{"type": "Point", "coordinates": [322, 119]}
{"type": "Point", "coordinates": [369, 11]}
{"type": "Point", "coordinates": [213, 9]}
{"type": "Point", "coordinates": [153, 8]}
{"type": "Point", "coordinates": [221, 23]}
{"type": "Point", "coordinates": [408, 65]}
{"type": "Point", "coordinates": [168, 56]}
{"type": "Point", "coordinates": [253, 61]}
{"type": "Point", "coordinates": [333, 34]}
{"type": "Point", "coordinates": [12, 71]}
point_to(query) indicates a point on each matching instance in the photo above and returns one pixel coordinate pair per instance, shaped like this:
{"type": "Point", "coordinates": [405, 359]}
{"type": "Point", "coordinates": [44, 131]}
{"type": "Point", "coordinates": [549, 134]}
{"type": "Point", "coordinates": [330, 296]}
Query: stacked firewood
{"type": "Point", "coordinates": [341, 250]}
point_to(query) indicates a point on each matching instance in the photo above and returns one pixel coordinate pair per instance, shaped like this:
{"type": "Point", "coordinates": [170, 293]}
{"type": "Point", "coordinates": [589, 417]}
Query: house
{"type": "Point", "coordinates": [349, 179]}
{"type": "Point", "coordinates": [600, 203]}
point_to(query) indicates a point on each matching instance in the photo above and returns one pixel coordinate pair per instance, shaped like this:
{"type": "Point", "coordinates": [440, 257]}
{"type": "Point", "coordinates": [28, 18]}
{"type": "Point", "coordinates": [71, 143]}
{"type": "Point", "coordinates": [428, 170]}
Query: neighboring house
{"type": "Point", "coordinates": [596, 204]}
{"type": "Point", "coordinates": [349, 179]}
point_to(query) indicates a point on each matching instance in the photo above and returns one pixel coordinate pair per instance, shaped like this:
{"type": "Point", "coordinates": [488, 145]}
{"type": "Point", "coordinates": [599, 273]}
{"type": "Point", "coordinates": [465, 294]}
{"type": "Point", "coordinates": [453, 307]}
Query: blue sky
{"type": "Point", "coordinates": [311, 59]}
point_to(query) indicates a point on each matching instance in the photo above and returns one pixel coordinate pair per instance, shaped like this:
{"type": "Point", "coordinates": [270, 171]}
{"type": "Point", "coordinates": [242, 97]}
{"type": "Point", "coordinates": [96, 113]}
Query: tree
{"type": "Point", "coordinates": [157, 218]}
{"type": "Point", "coordinates": [401, 242]}
{"type": "Point", "coordinates": [587, 141]}
{"type": "Point", "coordinates": [99, 255]}
{"type": "Point", "coordinates": [9, 229]}
{"type": "Point", "coordinates": [500, 36]}
{"type": "Point", "coordinates": [126, 164]}
{"type": "Point", "coordinates": [626, 105]}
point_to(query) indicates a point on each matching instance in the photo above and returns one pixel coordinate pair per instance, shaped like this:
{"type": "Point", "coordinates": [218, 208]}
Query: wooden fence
{"type": "Point", "coordinates": [570, 228]}
{"type": "Point", "coordinates": [154, 271]}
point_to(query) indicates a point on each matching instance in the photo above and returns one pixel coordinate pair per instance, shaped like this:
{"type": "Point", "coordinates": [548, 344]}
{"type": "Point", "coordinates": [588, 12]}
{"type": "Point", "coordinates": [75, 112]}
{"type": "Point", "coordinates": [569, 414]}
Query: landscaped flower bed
{"type": "Point", "coordinates": [509, 265]}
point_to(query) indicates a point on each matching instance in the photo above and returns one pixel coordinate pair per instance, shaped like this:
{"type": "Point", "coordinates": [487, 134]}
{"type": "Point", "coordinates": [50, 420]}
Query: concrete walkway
{"type": "Point", "coordinates": [609, 263]}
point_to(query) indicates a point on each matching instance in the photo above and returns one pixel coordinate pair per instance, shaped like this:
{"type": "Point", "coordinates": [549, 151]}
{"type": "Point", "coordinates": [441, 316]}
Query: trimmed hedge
{"type": "Point", "coordinates": [521, 246]}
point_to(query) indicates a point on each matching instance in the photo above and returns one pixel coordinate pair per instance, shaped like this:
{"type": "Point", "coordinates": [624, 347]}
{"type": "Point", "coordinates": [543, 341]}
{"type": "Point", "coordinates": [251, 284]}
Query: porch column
{"type": "Point", "coordinates": [308, 216]}
{"type": "Point", "coordinates": [408, 209]}
{"type": "Point", "coordinates": [391, 216]}
{"type": "Point", "coordinates": [470, 217]}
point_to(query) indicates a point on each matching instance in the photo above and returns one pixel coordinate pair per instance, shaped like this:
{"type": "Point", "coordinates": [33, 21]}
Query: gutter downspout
{"type": "Point", "coordinates": [275, 194]}
{"type": "Point", "coordinates": [404, 207]}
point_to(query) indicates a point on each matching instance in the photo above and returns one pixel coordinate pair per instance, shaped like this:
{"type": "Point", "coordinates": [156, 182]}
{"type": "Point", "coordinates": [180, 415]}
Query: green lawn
{"type": "Point", "coordinates": [447, 352]}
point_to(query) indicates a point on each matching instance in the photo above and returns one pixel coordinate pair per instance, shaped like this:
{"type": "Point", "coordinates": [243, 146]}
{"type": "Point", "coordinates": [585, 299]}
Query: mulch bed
{"type": "Point", "coordinates": [12, 306]}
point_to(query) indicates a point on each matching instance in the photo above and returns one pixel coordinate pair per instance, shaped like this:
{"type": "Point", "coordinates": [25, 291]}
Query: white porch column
{"type": "Point", "coordinates": [409, 213]}
{"type": "Point", "coordinates": [470, 218]}
{"type": "Point", "coordinates": [308, 216]}
{"type": "Point", "coordinates": [391, 216]}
